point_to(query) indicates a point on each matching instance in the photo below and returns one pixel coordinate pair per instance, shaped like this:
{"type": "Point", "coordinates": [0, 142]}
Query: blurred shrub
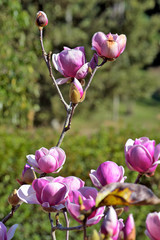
{"type": "Point", "coordinates": [83, 154]}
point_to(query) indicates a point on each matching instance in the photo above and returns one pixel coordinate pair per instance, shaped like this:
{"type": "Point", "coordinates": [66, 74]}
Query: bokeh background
{"type": "Point", "coordinates": [123, 101]}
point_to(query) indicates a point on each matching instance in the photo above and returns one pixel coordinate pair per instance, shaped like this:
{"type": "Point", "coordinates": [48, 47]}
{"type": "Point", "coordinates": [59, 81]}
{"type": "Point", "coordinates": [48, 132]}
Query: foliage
{"type": "Point", "coordinates": [25, 95]}
{"type": "Point", "coordinates": [106, 144]}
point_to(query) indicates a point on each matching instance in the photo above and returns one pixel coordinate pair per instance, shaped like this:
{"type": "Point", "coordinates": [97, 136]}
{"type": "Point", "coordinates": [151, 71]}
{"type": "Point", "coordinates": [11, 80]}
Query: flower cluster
{"type": "Point", "coordinates": [69, 194]}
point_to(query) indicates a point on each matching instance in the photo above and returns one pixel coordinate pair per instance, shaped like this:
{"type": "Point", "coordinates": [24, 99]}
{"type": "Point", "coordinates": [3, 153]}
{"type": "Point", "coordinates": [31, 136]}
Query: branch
{"type": "Point", "coordinates": [53, 235]}
{"type": "Point", "coordinates": [67, 224]}
{"type": "Point", "coordinates": [6, 218]}
{"type": "Point", "coordinates": [91, 78]}
{"type": "Point", "coordinates": [47, 59]}
{"type": "Point", "coordinates": [67, 123]}
{"type": "Point", "coordinates": [138, 178]}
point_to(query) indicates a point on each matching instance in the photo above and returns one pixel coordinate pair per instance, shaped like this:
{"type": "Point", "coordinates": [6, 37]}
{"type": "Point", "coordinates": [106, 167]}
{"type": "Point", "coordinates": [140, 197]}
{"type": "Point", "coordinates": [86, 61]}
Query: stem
{"type": "Point", "coordinates": [53, 235]}
{"type": "Point", "coordinates": [67, 123]}
{"type": "Point", "coordinates": [84, 229]}
{"type": "Point", "coordinates": [6, 218]}
{"type": "Point", "coordinates": [91, 78]}
{"type": "Point", "coordinates": [138, 178]}
{"type": "Point", "coordinates": [67, 224]}
{"type": "Point", "coordinates": [47, 59]}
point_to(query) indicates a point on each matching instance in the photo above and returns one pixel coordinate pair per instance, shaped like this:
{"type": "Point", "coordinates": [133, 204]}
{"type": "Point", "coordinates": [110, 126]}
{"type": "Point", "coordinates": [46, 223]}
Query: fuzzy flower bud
{"type": "Point", "coordinates": [76, 92]}
{"type": "Point", "coordinates": [129, 229]}
{"type": "Point", "coordinates": [41, 19]}
{"type": "Point", "coordinates": [13, 199]}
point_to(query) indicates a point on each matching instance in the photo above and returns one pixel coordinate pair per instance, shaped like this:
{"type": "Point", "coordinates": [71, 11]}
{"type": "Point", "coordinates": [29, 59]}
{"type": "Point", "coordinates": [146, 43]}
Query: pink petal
{"type": "Point", "coordinates": [61, 81]}
{"type": "Point", "coordinates": [11, 232]}
{"type": "Point", "coordinates": [54, 193]}
{"type": "Point", "coordinates": [82, 72]}
{"type": "Point", "coordinates": [121, 40]}
{"type": "Point", "coordinates": [27, 194]}
{"type": "Point", "coordinates": [97, 41]}
{"type": "Point", "coordinates": [31, 160]}
{"type": "Point", "coordinates": [56, 63]}
{"type": "Point", "coordinates": [94, 179]}
{"type": "Point", "coordinates": [128, 144]}
{"type": "Point", "coordinates": [157, 152]}
{"type": "Point", "coordinates": [110, 49]}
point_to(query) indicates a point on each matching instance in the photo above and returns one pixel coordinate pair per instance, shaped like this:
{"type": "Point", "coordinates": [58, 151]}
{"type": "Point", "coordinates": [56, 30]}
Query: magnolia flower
{"type": "Point", "coordinates": [88, 197]}
{"type": "Point", "coordinates": [71, 63]}
{"type": "Point", "coordinates": [50, 193]}
{"type": "Point", "coordinates": [108, 172]}
{"type": "Point", "coordinates": [109, 46]}
{"type": "Point", "coordinates": [153, 226]}
{"type": "Point", "coordinates": [47, 161]}
{"type": "Point", "coordinates": [4, 235]}
{"type": "Point", "coordinates": [142, 155]}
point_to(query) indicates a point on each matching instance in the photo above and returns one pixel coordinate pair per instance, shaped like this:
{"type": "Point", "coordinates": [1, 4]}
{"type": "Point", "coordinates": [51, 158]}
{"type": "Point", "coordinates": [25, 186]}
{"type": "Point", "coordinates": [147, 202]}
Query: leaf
{"type": "Point", "coordinates": [125, 194]}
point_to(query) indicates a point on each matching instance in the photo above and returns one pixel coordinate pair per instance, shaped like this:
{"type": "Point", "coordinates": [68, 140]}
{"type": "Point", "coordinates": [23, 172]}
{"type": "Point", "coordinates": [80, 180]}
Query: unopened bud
{"type": "Point", "coordinates": [13, 199]}
{"type": "Point", "coordinates": [76, 91]}
{"type": "Point", "coordinates": [41, 19]}
{"type": "Point", "coordinates": [28, 175]}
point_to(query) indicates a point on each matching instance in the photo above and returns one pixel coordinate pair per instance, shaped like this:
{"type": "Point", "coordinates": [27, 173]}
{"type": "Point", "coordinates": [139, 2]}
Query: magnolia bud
{"type": "Point", "coordinates": [76, 91]}
{"type": "Point", "coordinates": [28, 175]}
{"type": "Point", "coordinates": [41, 19]}
{"type": "Point", "coordinates": [13, 199]}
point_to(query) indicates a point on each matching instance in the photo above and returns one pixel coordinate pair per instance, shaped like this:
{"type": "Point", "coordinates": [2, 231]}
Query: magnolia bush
{"type": "Point", "coordinates": [106, 200]}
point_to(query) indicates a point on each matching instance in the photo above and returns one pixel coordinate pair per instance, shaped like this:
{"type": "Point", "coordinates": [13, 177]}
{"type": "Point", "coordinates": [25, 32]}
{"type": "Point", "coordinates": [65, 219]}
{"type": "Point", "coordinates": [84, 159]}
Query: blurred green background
{"type": "Point", "coordinates": [123, 101]}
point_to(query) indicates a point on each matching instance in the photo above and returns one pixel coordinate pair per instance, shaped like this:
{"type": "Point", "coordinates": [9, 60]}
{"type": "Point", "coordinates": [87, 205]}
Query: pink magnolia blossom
{"type": "Point", "coordinates": [111, 226]}
{"type": "Point", "coordinates": [109, 46]}
{"type": "Point", "coordinates": [4, 235]}
{"type": "Point", "coordinates": [153, 226]}
{"type": "Point", "coordinates": [47, 161]}
{"type": "Point", "coordinates": [50, 192]}
{"type": "Point", "coordinates": [129, 228]}
{"type": "Point", "coordinates": [71, 63]}
{"type": "Point", "coordinates": [108, 172]}
{"type": "Point", "coordinates": [88, 196]}
{"type": "Point", "coordinates": [142, 155]}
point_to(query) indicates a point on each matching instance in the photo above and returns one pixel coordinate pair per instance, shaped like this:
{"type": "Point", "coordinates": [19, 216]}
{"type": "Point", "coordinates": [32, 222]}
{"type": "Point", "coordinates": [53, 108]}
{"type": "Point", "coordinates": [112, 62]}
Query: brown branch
{"type": "Point", "coordinates": [14, 209]}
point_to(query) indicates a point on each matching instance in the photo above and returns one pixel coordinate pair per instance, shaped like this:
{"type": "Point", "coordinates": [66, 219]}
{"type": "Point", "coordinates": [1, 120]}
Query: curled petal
{"type": "Point", "coordinates": [61, 81]}
{"type": "Point", "coordinates": [94, 179]}
{"type": "Point", "coordinates": [56, 63]}
{"type": "Point", "coordinates": [121, 40]}
{"type": "Point", "coordinates": [11, 232]}
{"type": "Point", "coordinates": [32, 161]}
{"type": "Point", "coordinates": [97, 41]}
{"type": "Point", "coordinates": [82, 72]}
{"type": "Point", "coordinates": [27, 194]}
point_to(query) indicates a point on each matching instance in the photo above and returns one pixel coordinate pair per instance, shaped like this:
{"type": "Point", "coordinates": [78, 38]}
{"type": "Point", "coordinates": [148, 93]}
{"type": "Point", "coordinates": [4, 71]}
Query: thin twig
{"type": "Point", "coordinates": [67, 224]}
{"type": "Point", "coordinates": [84, 229]}
{"type": "Point", "coordinates": [47, 58]}
{"type": "Point", "coordinates": [54, 81]}
{"type": "Point", "coordinates": [65, 127]}
{"type": "Point", "coordinates": [138, 178]}
{"type": "Point", "coordinates": [53, 235]}
{"type": "Point", "coordinates": [91, 78]}
{"type": "Point", "coordinates": [6, 218]}
{"type": "Point", "coordinates": [61, 228]}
